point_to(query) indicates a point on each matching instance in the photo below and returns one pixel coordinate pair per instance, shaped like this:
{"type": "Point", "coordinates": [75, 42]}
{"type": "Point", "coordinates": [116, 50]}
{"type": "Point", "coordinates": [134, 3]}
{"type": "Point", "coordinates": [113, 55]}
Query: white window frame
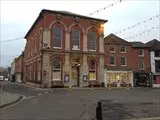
{"type": "Point", "coordinates": [125, 61]}
{"type": "Point", "coordinates": [95, 42]}
{"type": "Point", "coordinates": [114, 60]}
{"type": "Point", "coordinates": [61, 38]}
{"type": "Point", "coordinates": [142, 52]}
{"type": "Point", "coordinates": [125, 49]}
{"type": "Point", "coordinates": [114, 49]}
{"type": "Point", "coordinates": [56, 70]}
{"type": "Point", "coordinates": [79, 40]}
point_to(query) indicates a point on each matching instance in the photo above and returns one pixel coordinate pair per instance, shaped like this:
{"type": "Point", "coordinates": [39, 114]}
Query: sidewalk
{"type": "Point", "coordinates": [32, 86]}
{"type": "Point", "coordinates": [7, 99]}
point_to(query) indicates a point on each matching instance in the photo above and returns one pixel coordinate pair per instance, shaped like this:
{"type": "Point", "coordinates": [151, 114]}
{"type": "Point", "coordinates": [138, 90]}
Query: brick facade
{"type": "Point", "coordinates": [19, 68]}
{"type": "Point", "coordinates": [121, 73]}
{"type": "Point", "coordinates": [132, 57]}
{"type": "Point", "coordinates": [39, 47]}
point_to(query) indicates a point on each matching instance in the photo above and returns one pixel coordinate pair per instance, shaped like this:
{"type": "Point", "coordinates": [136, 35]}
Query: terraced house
{"type": "Point", "coordinates": [64, 49]}
{"type": "Point", "coordinates": [126, 63]}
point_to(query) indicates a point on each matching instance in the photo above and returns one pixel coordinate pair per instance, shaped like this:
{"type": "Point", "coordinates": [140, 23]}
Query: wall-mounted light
{"type": "Point", "coordinates": [102, 28]}
{"type": "Point", "coordinates": [102, 25]}
{"type": "Point", "coordinates": [78, 64]}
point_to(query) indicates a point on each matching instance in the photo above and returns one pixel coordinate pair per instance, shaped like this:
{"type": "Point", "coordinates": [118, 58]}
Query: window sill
{"type": "Point", "coordinates": [123, 52]}
{"type": "Point", "coordinates": [112, 51]}
{"type": "Point", "coordinates": [141, 55]}
{"type": "Point", "coordinates": [56, 79]}
{"type": "Point", "coordinates": [123, 65]}
{"type": "Point", "coordinates": [141, 69]}
{"type": "Point", "coordinates": [57, 47]}
{"type": "Point", "coordinates": [92, 50]}
{"type": "Point", "coordinates": [75, 49]}
{"type": "Point", "coordinates": [112, 65]}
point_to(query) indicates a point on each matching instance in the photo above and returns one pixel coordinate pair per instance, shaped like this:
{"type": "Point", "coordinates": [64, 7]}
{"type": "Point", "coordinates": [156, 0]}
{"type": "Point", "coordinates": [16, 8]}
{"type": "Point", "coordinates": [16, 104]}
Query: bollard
{"type": "Point", "coordinates": [109, 87]}
{"type": "Point", "coordinates": [99, 111]}
{"type": "Point", "coordinates": [70, 88]}
{"type": "Point", "coordinates": [92, 88]}
{"type": "Point", "coordinates": [128, 87]}
{"type": "Point", "coordinates": [1, 87]}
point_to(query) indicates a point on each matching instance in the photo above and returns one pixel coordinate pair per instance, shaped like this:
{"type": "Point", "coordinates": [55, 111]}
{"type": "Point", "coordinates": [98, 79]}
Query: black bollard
{"type": "Point", "coordinates": [99, 111]}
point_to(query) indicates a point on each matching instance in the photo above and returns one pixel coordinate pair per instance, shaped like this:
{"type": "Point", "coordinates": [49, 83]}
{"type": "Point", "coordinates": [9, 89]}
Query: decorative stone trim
{"type": "Point", "coordinates": [58, 17]}
{"type": "Point", "coordinates": [77, 19]}
{"type": "Point", "coordinates": [93, 22]}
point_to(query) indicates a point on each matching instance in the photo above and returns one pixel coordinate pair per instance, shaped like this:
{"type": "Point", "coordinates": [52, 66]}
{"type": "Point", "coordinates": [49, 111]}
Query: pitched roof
{"type": "Point", "coordinates": [113, 39]}
{"type": "Point", "coordinates": [138, 44]}
{"type": "Point", "coordinates": [60, 12]}
{"type": "Point", "coordinates": [154, 44]}
{"type": "Point", "coordinates": [72, 14]}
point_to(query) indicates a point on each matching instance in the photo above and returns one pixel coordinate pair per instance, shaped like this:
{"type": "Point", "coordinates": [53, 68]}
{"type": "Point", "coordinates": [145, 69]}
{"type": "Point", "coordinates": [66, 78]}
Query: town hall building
{"type": "Point", "coordinates": [64, 49]}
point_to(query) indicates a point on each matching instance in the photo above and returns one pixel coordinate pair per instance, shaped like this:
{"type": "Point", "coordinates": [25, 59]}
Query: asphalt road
{"type": "Point", "coordinates": [19, 89]}
{"type": "Point", "coordinates": [81, 104]}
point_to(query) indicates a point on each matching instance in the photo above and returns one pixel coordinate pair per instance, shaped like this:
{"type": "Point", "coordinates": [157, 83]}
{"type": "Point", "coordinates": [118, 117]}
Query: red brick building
{"type": "Point", "coordinates": [64, 48]}
{"type": "Point", "coordinates": [19, 68]}
{"type": "Point", "coordinates": [122, 58]}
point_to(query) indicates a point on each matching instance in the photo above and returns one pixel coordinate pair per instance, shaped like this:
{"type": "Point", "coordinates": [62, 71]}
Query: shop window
{"type": "Point", "coordinates": [157, 65]}
{"type": "Point", "coordinates": [92, 70]}
{"type": "Point", "coordinates": [56, 72]}
{"type": "Point", "coordinates": [118, 77]}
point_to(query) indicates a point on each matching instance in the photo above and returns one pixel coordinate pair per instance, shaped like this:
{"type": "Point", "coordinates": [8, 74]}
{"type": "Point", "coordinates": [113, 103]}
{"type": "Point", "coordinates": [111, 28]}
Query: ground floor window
{"type": "Point", "coordinates": [38, 70]}
{"type": "Point", "coordinates": [118, 78]}
{"type": "Point", "coordinates": [156, 79]}
{"type": "Point", "coordinates": [92, 70]}
{"type": "Point", "coordinates": [56, 70]}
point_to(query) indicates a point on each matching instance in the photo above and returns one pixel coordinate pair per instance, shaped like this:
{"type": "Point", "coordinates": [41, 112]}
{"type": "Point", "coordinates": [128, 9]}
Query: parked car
{"type": "Point", "coordinates": [1, 78]}
{"type": "Point", "coordinates": [6, 79]}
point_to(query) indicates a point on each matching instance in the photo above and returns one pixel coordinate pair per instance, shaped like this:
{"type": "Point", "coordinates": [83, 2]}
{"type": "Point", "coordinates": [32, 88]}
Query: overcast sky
{"type": "Point", "coordinates": [18, 16]}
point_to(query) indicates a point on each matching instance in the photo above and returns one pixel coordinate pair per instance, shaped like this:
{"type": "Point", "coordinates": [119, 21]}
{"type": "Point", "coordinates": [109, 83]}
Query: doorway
{"type": "Point", "coordinates": [75, 76]}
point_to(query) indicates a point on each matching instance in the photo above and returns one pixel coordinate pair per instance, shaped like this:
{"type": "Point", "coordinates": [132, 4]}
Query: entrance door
{"type": "Point", "coordinates": [75, 76]}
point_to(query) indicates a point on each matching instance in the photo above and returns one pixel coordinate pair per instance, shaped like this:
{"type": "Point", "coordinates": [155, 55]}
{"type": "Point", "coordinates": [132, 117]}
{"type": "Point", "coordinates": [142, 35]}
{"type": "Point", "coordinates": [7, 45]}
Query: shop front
{"type": "Point", "coordinates": [156, 80]}
{"type": "Point", "coordinates": [114, 78]}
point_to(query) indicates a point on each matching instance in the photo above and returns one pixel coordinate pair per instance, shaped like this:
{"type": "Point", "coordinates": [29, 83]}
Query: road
{"type": "Point", "coordinates": [62, 104]}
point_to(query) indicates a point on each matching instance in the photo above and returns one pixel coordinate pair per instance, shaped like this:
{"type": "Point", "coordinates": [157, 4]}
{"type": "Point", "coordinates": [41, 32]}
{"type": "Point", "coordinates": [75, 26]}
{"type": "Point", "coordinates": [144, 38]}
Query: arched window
{"type": "Point", "coordinates": [92, 70]}
{"type": "Point", "coordinates": [75, 39]}
{"type": "Point", "coordinates": [56, 72]}
{"type": "Point", "coordinates": [92, 40]}
{"type": "Point", "coordinates": [56, 64]}
{"type": "Point", "coordinates": [57, 37]}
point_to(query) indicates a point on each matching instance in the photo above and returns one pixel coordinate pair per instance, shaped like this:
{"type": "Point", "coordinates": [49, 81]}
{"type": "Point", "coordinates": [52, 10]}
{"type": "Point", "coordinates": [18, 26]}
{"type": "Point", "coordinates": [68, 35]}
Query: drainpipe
{"type": "Point", "coordinates": [41, 48]}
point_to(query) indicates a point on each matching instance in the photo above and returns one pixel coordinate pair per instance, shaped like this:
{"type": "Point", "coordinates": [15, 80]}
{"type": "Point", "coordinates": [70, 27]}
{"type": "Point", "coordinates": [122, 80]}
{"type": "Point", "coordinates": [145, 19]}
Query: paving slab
{"type": "Point", "coordinates": [7, 99]}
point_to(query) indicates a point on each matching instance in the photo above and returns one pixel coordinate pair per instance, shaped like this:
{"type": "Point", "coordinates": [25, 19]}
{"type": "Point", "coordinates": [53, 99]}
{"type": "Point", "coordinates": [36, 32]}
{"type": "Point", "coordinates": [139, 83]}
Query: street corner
{"type": "Point", "coordinates": [9, 99]}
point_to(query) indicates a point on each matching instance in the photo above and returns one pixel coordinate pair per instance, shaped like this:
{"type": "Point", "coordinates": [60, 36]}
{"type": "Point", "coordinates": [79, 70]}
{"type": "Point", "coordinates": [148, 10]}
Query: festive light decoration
{"type": "Point", "coordinates": [140, 23]}
{"type": "Point", "coordinates": [143, 32]}
{"type": "Point", "coordinates": [20, 38]}
{"type": "Point", "coordinates": [96, 11]}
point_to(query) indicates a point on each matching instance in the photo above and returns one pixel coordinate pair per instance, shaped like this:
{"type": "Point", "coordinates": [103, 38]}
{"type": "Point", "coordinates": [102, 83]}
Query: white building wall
{"type": "Point", "coordinates": [152, 61]}
{"type": "Point", "coordinates": [12, 68]}
{"type": "Point", "coordinates": [153, 58]}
